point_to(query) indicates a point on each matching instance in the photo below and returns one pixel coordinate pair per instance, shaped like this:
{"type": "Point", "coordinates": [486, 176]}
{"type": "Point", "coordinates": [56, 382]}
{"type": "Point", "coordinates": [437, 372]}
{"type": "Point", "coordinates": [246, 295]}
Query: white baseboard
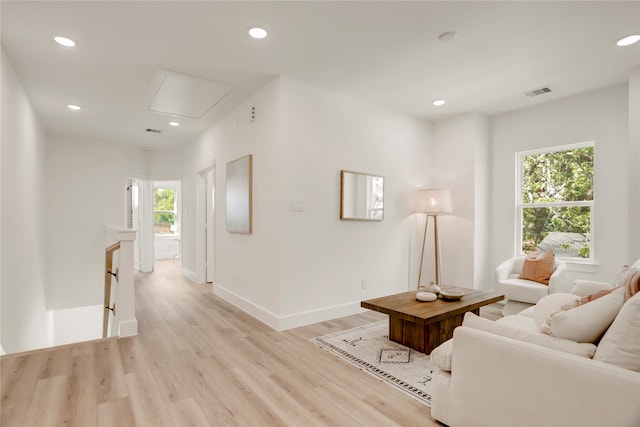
{"type": "Point", "coordinates": [128, 328]}
{"type": "Point", "coordinates": [320, 315]}
{"type": "Point", "coordinates": [281, 323]}
{"type": "Point", "coordinates": [247, 306]}
{"type": "Point", "coordinates": [190, 275]}
{"type": "Point", "coordinates": [2, 352]}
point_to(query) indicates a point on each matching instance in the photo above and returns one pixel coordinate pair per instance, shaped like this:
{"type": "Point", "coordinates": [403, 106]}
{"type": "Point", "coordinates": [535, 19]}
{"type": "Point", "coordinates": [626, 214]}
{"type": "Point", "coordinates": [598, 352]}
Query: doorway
{"type": "Point", "coordinates": [166, 220]}
{"type": "Point", "coordinates": [206, 225]}
{"type": "Point", "coordinates": [153, 209]}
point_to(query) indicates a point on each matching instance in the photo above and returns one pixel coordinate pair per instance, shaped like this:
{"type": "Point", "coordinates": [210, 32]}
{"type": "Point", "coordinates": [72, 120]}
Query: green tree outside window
{"type": "Point", "coordinates": [556, 201]}
{"type": "Point", "coordinates": [164, 214]}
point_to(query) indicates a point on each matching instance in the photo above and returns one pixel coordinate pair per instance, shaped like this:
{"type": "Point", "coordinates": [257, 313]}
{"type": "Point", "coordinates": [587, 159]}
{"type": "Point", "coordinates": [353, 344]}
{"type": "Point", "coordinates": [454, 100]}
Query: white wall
{"type": "Point", "coordinates": [164, 164]}
{"type": "Point", "coordinates": [299, 267]}
{"type": "Point", "coordinates": [77, 324]}
{"type": "Point", "coordinates": [600, 116]}
{"type": "Point", "coordinates": [634, 161]}
{"type": "Point", "coordinates": [323, 259]}
{"type": "Point", "coordinates": [246, 265]}
{"type": "Point", "coordinates": [85, 189]}
{"type": "Point", "coordinates": [23, 311]}
{"type": "Point", "coordinates": [458, 161]}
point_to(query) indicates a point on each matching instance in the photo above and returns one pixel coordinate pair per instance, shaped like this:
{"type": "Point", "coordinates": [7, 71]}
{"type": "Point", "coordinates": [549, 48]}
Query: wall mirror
{"type": "Point", "coordinates": [361, 196]}
{"type": "Point", "coordinates": [239, 192]}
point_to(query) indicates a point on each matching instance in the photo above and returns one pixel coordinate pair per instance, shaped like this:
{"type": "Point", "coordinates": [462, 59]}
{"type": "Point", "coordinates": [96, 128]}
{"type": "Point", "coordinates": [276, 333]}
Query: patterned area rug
{"type": "Point", "coordinates": [368, 347]}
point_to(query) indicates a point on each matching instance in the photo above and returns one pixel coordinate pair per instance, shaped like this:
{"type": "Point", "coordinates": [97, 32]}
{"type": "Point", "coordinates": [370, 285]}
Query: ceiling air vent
{"type": "Point", "coordinates": [537, 92]}
{"type": "Point", "coordinates": [153, 130]}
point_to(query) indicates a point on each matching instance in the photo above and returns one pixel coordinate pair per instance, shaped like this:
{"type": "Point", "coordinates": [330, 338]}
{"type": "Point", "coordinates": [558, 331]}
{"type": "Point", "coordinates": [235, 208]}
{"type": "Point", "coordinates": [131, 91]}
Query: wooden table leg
{"type": "Point", "coordinates": [407, 333]}
{"type": "Point", "coordinates": [439, 332]}
{"type": "Point", "coordinates": [423, 338]}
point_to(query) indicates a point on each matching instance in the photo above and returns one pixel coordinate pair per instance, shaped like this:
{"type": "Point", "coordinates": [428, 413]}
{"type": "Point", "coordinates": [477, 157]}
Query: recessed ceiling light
{"type": "Point", "coordinates": [439, 102]}
{"type": "Point", "coordinates": [448, 36]}
{"type": "Point", "coordinates": [257, 32]}
{"type": "Point", "coordinates": [626, 41]}
{"type": "Point", "coordinates": [174, 123]}
{"type": "Point", "coordinates": [73, 107]}
{"type": "Point", "coordinates": [64, 41]}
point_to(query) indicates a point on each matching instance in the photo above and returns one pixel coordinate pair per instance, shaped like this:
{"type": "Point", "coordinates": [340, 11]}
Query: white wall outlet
{"type": "Point", "coordinates": [296, 205]}
{"type": "Point", "coordinates": [364, 283]}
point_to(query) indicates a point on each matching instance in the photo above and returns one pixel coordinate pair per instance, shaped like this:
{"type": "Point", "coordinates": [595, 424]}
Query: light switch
{"type": "Point", "coordinates": [296, 205]}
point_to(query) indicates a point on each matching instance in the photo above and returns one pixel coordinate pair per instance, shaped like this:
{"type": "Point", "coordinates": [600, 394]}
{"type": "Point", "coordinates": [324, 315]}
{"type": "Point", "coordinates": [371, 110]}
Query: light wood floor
{"type": "Point", "coordinates": [199, 361]}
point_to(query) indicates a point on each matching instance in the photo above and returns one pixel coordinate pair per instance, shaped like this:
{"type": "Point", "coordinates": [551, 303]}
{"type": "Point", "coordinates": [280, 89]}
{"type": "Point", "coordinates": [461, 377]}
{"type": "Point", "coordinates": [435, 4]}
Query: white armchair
{"type": "Point", "coordinates": [520, 294]}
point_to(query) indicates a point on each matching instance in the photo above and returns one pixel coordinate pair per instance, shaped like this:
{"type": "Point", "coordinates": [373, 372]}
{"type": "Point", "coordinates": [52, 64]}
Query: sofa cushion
{"type": "Point", "coordinates": [522, 290]}
{"type": "Point", "coordinates": [586, 323]}
{"type": "Point", "coordinates": [620, 345]}
{"type": "Point", "coordinates": [441, 356]}
{"type": "Point", "coordinates": [520, 328]}
{"type": "Point", "coordinates": [529, 312]}
{"type": "Point", "coordinates": [529, 334]}
{"type": "Point", "coordinates": [538, 267]}
{"type": "Point", "coordinates": [525, 323]}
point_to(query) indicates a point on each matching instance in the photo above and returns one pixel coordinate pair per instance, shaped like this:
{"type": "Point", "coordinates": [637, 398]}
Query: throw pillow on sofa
{"type": "Point", "coordinates": [629, 278]}
{"type": "Point", "coordinates": [620, 345]}
{"type": "Point", "coordinates": [549, 305]}
{"type": "Point", "coordinates": [588, 298]}
{"type": "Point", "coordinates": [586, 323]}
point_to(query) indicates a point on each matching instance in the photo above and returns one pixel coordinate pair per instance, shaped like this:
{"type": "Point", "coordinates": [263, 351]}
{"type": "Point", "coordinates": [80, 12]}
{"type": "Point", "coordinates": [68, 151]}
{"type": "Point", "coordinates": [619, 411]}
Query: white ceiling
{"type": "Point", "coordinates": [387, 53]}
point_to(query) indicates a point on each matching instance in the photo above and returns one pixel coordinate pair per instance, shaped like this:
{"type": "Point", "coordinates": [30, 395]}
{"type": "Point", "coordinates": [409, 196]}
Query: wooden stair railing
{"type": "Point", "coordinates": [108, 274]}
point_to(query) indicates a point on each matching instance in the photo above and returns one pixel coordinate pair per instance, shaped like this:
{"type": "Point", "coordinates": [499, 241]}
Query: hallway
{"type": "Point", "coordinates": [198, 361]}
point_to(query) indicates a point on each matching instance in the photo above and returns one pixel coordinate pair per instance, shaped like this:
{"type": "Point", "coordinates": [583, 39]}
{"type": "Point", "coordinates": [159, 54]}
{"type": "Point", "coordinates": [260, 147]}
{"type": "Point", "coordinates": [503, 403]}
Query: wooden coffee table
{"type": "Point", "coordinates": [425, 325]}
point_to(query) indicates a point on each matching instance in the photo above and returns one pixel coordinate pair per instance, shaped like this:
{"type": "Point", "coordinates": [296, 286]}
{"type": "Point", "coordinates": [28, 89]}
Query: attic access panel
{"type": "Point", "coordinates": [186, 96]}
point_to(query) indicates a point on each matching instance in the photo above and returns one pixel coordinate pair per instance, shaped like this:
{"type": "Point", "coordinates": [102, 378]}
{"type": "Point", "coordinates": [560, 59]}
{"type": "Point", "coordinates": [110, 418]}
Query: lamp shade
{"type": "Point", "coordinates": [434, 202]}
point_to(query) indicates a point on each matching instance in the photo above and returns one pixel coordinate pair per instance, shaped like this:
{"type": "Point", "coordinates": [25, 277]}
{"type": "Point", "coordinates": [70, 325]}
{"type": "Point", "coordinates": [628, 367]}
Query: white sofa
{"type": "Point", "coordinates": [497, 380]}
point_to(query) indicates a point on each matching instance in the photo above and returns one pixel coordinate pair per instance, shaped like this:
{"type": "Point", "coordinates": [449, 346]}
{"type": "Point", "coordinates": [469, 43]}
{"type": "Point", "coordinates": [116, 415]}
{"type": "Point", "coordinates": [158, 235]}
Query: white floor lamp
{"type": "Point", "coordinates": [432, 203]}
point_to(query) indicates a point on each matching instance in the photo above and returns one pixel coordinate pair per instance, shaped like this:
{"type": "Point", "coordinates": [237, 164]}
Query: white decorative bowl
{"type": "Point", "coordinates": [451, 295]}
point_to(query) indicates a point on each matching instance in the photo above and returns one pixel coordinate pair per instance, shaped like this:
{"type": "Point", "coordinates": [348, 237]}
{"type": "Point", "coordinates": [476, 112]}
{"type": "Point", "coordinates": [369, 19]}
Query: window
{"type": "Point", "coordinates": [555, 201]}
{"type": "Point", "coordinates": [164, 211]}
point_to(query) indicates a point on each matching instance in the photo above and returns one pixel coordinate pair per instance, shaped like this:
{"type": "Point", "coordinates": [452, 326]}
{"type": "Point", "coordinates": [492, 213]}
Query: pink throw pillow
{"type": "Point", "coordinates": [538, 267]}
{"type": "Point", "coordinates": [588, 298]}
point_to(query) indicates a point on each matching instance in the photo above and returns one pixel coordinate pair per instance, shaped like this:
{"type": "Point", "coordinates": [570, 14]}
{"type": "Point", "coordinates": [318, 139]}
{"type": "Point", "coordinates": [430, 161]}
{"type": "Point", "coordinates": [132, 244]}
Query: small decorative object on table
{"type": "Point", "coordinates": [426, 296]}
{"type": "Point", "coordinates": [451, 295]}
{"type": "Point", "coordinates": [432, 288]}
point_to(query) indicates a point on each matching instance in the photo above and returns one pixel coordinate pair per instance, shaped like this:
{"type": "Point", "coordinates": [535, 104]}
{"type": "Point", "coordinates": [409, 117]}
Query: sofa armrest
{"type": "Point", "coordinates": [504, 270]}
{"type": "Point", "coordinates": [582, 288]}
{"type": "Point", "coordinates": [559, 282]}
{"type": "Point", "coordinates": [498, 381]}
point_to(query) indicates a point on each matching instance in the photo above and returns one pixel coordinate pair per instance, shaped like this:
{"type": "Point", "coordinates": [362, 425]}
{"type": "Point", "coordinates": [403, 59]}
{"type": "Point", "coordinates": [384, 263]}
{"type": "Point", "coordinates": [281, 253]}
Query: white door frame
{"type": "Point", "coordinates": [145, 231]}
{"type": "Point", "coordinates": [140, 201]}
{"type": "Point", "coordinates": [205, 224]}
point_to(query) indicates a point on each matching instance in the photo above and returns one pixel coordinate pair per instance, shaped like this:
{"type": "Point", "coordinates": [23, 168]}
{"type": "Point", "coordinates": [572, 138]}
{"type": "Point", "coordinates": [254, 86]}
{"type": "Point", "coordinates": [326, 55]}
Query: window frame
{"type": "Point", "coordinates": [175, 210]}
{"type": "Point", "coordinates": [520, 206]}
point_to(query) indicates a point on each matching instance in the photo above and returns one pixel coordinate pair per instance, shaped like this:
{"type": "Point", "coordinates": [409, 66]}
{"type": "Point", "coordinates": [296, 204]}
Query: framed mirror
{"type": "Point", "coordinates": [361, 196]}
{"type": "Point", "coordinates": [239, 180]}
